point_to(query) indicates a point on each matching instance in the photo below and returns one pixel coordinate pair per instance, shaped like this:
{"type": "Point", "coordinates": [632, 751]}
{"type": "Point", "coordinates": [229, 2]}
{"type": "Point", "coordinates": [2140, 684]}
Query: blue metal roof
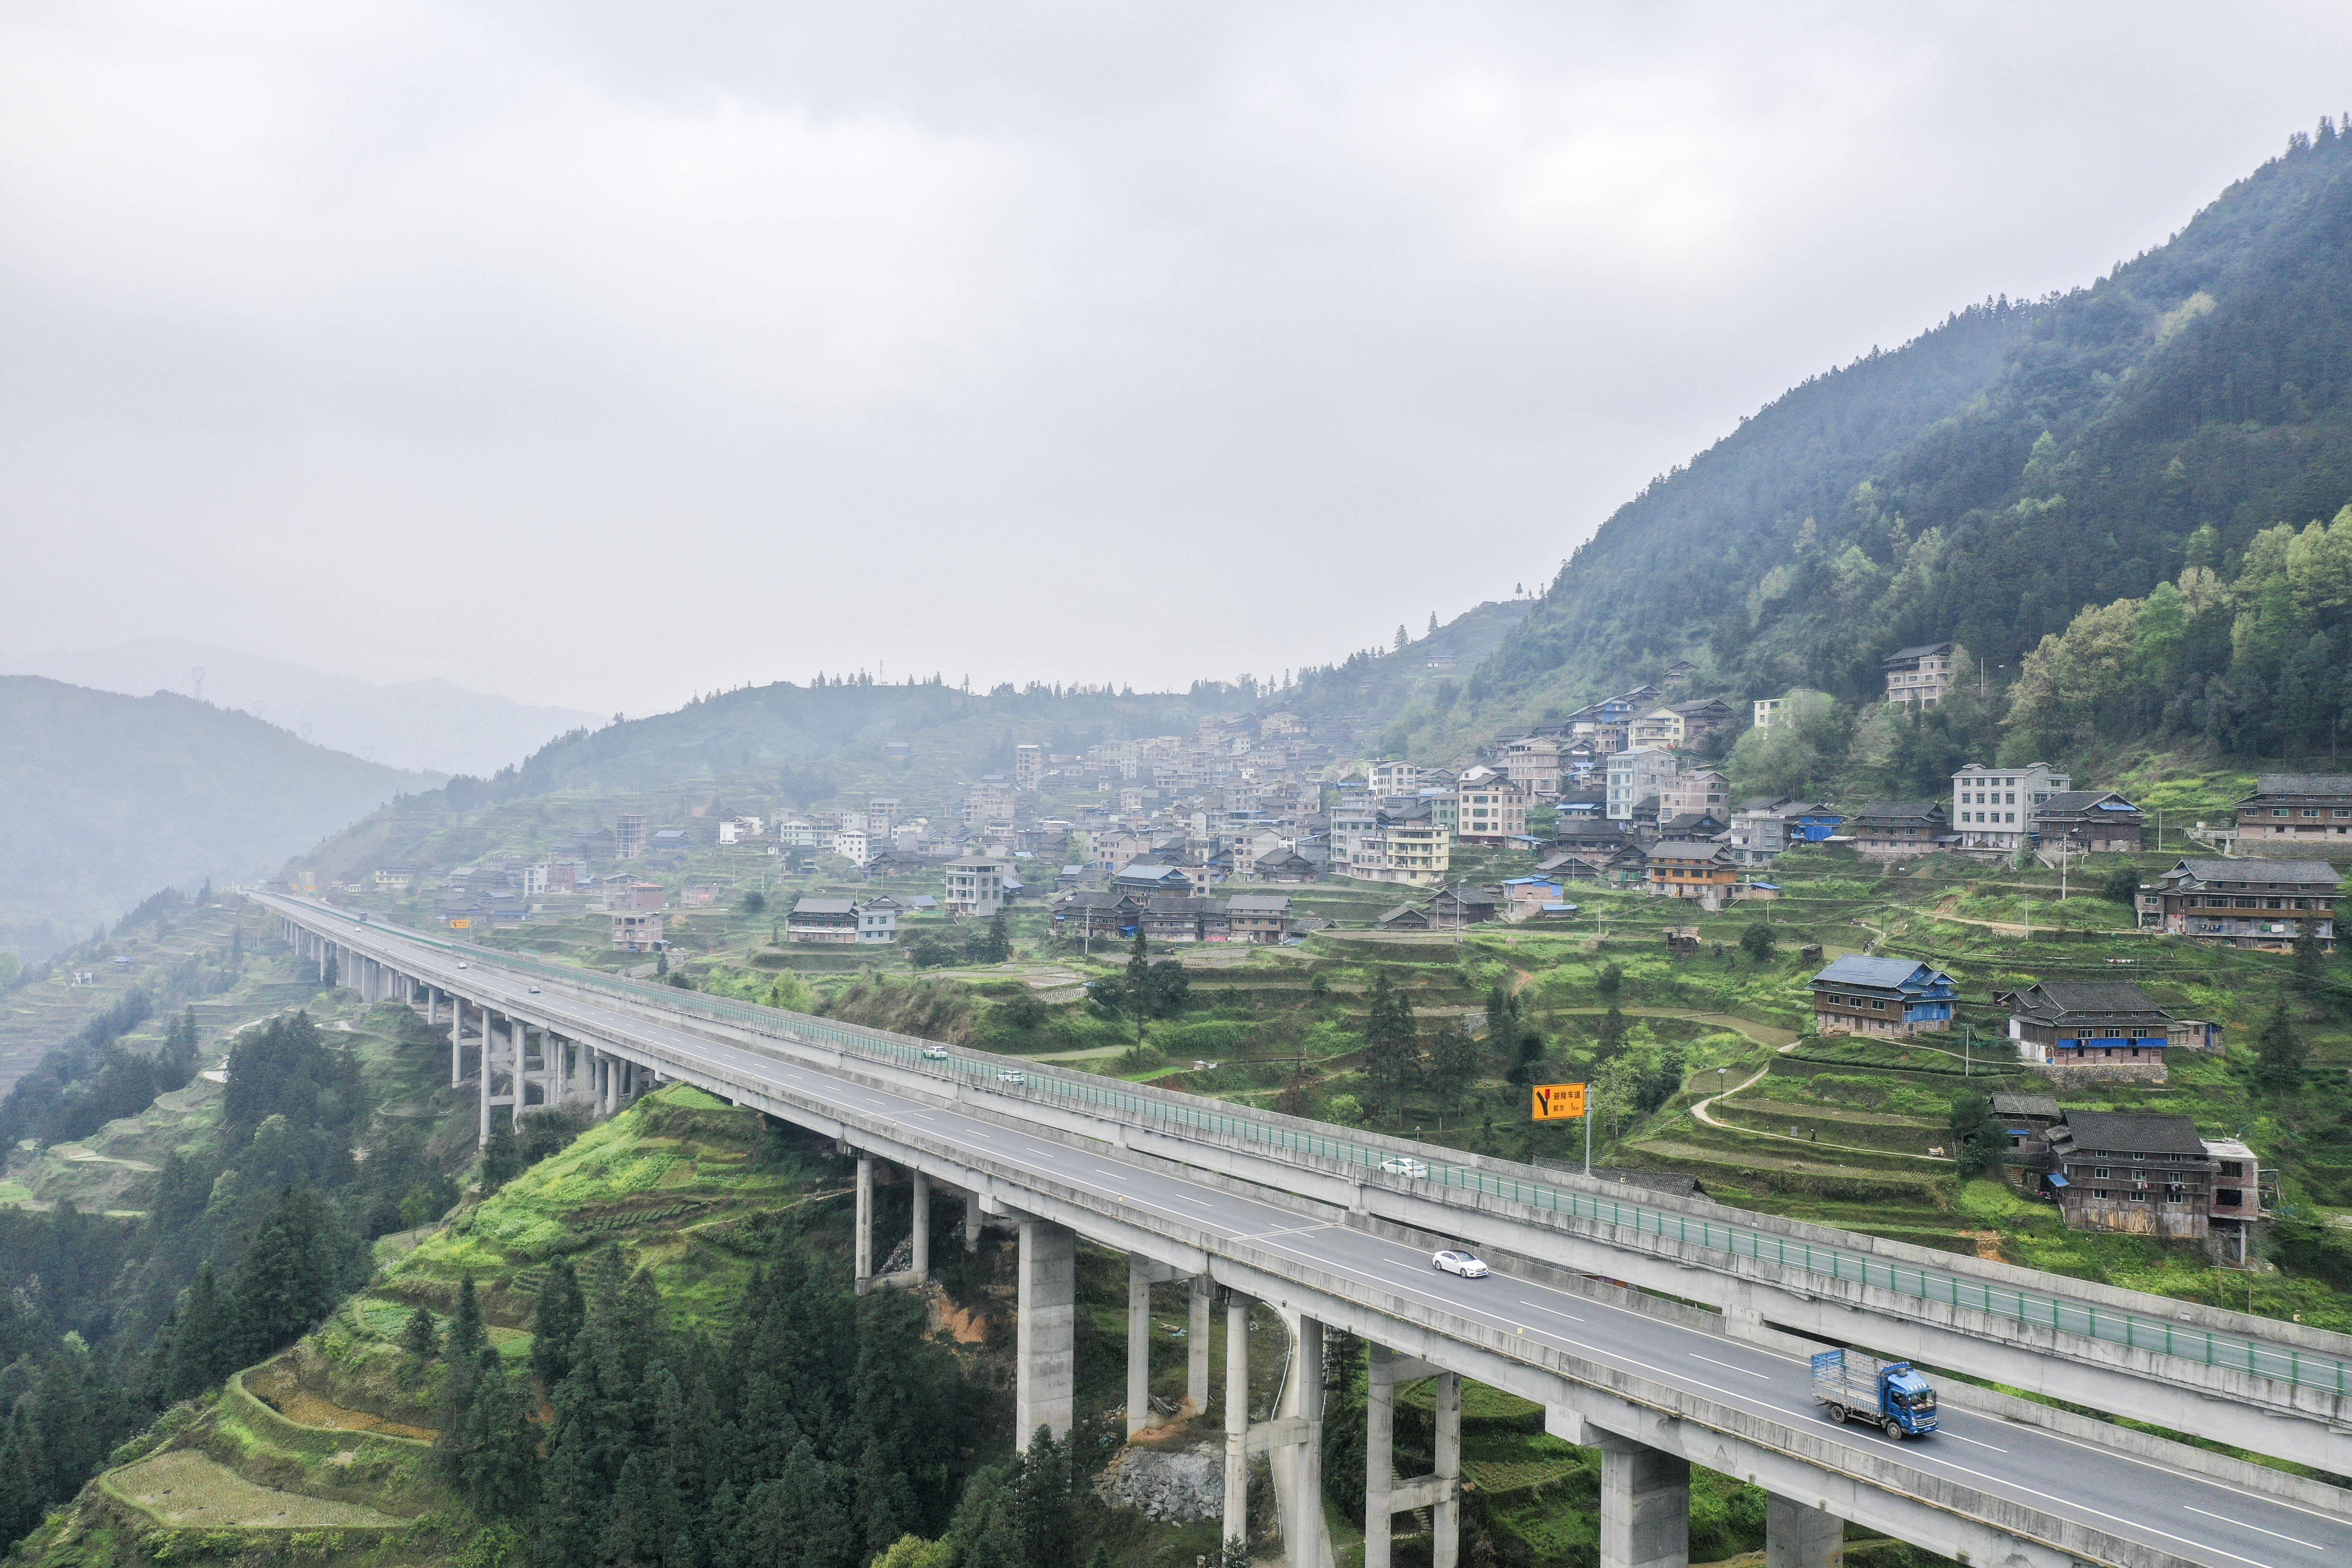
{"type": "Point", "coordinates": [1857, 968]}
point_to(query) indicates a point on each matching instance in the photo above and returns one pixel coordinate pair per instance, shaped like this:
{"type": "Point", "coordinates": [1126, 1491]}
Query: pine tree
{"type": "Point", "coordinates": [500, 1446]}
{"type": "Point", "coordinates": [1041, 1500]}
{"type": "Point", "coordinates": [418, 1336]}
{"type": "Point", "coordinates": [1433, 623]}
{"type": "Point", "coordinates": [555, 1325]}
{"type": "Point", "coordinates": [466, 1334]}
{"type": "Point", "coordinates": [2279, 1053]}
{"type": "Point", "coordinates": [207, 1342]}
{"type": "Point", "coordinates": [1453, 1062]}
{"type": "Point", "coordinates": [288, 1280]}
{"type": "Point", "coordinates": [1391, 1050]}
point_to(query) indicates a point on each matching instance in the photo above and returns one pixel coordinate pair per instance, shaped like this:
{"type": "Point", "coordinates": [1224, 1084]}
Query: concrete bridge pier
{"type": "Point", "coordinates": [1797, 1536]}
{"type": "Point", "coordinates": [1644, 1505]}
{"type": "Point", "coordinates": [864, 1224]}
{"type": "Point", "coordinates": [1439, 1491]}
{"type": "Point", "coordinates": [482, 1087]}
{"type": "Point", "coordinates": [1196, 1346]}
{"type": "Point", "coordinates": [972, 1222]}
{"type": "Point", "coordinates": [1236, 1523]}
{"type": "Point", "coordinates": [457, 1041]}
{"type": "Point", "coordinates": [1142, 1274]}
{"type": "Point", "coordinates": [919, 1238]}
{"type": "Point", "coordinates": [1045, 1368]}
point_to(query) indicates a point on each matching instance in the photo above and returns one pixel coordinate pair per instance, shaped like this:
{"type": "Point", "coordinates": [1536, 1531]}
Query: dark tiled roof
{"type": "Point", "coordinates": [2248, 869]}
{"type": "Point", "coordinates": [2024, 1105]}
{"type": "Point", "coordinates": [2134, 1133]}
{"type": "Point", "coordinates": [2303, 784]}
{"type": "Point", "coordinates": [2089, 996]}
{"type": "Point", "coordinates": [1899, 810]}
{"type": "Point", "coordinates": [1920, 651]}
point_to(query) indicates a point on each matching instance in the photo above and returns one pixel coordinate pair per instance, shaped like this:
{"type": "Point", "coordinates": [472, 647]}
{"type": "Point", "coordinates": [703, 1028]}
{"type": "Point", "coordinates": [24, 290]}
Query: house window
{"type": "Point", "coordinates": [2103, 1174]}
{"type": "Point", "coordinates": [2229, 1197]}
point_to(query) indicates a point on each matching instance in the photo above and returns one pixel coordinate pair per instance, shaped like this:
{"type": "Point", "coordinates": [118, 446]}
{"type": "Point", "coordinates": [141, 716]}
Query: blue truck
{"type": "Point", "coordinates": [1888, 1394]}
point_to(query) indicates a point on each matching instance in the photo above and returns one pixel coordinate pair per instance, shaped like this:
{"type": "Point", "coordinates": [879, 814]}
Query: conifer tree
{"type": "Point", "coordinates": [466, 1334]}
{"type": "Point", "coordinates": [206, 1342]}
{"type": "Point", "coordinates": [2279, 1053]}
{"type": "Point", "coordinates": [555, 1324]}
{"type": "Point", "coordinates": [498, 1452]}
{"type": "Point", "coordinates": [1391, 1048]}
{"type": "Point", "coordinates": [288, 1280]}
{"type": "Point", "coordinates": [418, 1336]}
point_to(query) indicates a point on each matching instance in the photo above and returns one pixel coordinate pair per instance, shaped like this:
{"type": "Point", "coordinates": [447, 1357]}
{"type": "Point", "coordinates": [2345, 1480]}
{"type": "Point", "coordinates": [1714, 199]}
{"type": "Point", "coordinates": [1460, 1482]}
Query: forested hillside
{"type": "Point", "coordinates": [1988, 480]}
{"type": "Point", "coordinates": [107, 797]}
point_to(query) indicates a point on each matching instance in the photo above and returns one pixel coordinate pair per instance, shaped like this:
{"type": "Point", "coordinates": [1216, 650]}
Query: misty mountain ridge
{"type": "Point", "coordinates": [110, 797]}
{"type": "Point", "coordinates": [432, 725]}
{"type": "Point", "coordinates": [1986, 482]}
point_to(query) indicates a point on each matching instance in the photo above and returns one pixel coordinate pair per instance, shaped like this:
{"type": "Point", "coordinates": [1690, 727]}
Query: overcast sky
{"type": "Point", "coordinates": [598, 354]}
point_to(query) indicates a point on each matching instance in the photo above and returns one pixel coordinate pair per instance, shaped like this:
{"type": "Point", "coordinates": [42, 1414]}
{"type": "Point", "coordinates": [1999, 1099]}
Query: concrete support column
{"type": "Point", "coordinates": [865, 1223]}
{"type": "Point", "coordinates": [919, 1241]}
{"type": "Point", "coordinates": [1306, 1404]}
{"type": "Point", "coordinates": [1139, 1345]}
{"type": "Point", "coordinates": [457, 1041]}
{"type": "Point", "coordinates": [1196, 1346]}
{"type": "Point", "coordinates": [516, 1044]}
{"type": "Point", "coordinates": [1796, 1536]}
{"type": "Point", "coordinates": [1379, 1464]}
{"type": "Point", "coordinates": [483, 1073]}
{"type": "Point", "coordinates": [1236, 1524]}
{"type": "Point", "coordinates": [1446, 1513]}
{"type": "Point", "coordinates": [972, 1222]}
{"type": "Point", "coordinates": [1045, 1382]}
{"type": "Point", "coordinates": [1645, 1506]}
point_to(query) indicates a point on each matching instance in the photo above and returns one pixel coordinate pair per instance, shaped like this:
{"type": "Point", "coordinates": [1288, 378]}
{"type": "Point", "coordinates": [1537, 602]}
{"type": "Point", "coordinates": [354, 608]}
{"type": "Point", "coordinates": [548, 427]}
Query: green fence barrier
{"type": "Point", "coordinates": [1081, 1090]}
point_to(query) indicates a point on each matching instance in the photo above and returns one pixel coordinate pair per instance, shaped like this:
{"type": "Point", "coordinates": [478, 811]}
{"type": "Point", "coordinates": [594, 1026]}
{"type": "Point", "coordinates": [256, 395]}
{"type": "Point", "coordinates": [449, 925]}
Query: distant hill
{"type": "Point", "coordinates": [107, 797]}
{"type": "Point", "coordinates": [1990, 480]}
{"type": "Point", "coordinates": [432, 725]}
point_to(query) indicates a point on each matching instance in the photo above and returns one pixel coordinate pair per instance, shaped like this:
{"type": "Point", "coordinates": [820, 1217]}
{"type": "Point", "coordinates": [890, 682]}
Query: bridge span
{"type": "Point", "coordinates": [1304, 1218]}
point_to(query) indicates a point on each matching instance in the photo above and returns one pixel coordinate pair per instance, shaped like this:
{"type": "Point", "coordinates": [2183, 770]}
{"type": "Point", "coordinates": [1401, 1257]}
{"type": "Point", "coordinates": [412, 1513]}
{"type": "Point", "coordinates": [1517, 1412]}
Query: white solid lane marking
{"type": "Point", "coordinates": [1728, 1367]}
{"type": "Point", "coordinates": [1555, 1311]}
{"type": "Point", "coordinates": [2257, 1529]}
{"type": "Point", "coordinates": [1954, 1437]}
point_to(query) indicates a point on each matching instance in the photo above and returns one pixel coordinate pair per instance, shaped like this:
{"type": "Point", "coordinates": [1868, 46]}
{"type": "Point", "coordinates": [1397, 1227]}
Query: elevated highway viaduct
{"type": "Point", "coordinates": [1305, 1219]}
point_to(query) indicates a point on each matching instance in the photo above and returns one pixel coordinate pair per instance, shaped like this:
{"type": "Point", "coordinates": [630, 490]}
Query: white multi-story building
{"type": "Point", "coordinates": [1635, 777]}
{"type": "Point", "coordinates": [975, 886]}
{"type": "Point", "coordinates": [1993, 808]}
{"type": "Point", "coordinates": [1766, 710]}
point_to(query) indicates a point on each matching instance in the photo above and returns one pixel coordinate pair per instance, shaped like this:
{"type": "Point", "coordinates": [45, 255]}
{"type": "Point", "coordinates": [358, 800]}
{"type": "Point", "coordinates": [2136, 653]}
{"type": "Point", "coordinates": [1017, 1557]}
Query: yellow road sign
{"type": "Point", "coordinates": [461, 925]}
{"type": "Point", "coordinates": [1558, 1101]}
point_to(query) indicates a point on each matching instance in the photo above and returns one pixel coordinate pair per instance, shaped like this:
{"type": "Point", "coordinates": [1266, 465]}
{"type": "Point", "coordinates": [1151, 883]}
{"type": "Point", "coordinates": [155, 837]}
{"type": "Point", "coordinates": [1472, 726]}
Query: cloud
{"type": "Point", "coordinates": [599, 354]}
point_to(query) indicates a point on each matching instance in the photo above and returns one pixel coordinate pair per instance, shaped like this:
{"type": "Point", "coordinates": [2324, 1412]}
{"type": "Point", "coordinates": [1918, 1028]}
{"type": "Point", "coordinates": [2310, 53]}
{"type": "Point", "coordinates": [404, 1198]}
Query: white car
{"type": "Point", "coordinates": [1466, 1264]}
{"type": "Point", "coordinates": [1010, 1075]}
{"type": "Point", "coordinates": [1398, 1165]}
{"type": "Point", "coordinates": [935, 1053]}
{"type": "Point", "coordinates": [534, 990]}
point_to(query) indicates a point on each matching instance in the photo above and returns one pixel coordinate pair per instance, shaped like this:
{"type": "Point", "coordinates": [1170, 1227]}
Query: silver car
{"type": "Point", "coordinates": [1466, 1264]}
{"type": "Point", "coordinates": [1399, 1165]}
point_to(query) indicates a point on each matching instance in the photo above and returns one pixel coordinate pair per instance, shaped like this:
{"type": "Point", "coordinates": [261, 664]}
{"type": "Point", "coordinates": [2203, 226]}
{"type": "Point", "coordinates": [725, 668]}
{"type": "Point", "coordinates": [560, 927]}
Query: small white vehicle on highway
{"type": "Point", "coordinates": [1010, 1075]}
{"type": "Point", "coordinates": [1399, 1165]}
{"type": "Point", "coordinates": [1466, 1264]}
{"type": "Point", "coordinates": [935, 1053]}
